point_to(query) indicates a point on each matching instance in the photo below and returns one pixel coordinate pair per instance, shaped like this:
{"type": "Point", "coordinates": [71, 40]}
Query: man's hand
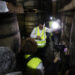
{"type": "Point", "coordinates": [55, 60]}
{"type": "Point", "coordinates": [38, 37]}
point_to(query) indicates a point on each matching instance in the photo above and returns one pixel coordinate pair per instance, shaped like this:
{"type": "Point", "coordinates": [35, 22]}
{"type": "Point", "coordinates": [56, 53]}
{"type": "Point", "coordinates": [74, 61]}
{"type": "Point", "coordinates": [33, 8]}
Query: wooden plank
{"type": "Point", "coordinates": [68, 7]}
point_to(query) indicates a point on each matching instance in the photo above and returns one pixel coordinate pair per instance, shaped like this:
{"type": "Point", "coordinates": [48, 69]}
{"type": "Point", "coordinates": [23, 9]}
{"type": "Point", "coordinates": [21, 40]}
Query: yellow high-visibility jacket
{"type": "Point", "coordinates": [42, 42]}
{"type": "Point", "coordinates": [32, 66]}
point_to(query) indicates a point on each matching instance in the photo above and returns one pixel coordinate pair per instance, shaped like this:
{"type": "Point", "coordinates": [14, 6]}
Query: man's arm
{"type": "Point", "coordinates": [49, 30]}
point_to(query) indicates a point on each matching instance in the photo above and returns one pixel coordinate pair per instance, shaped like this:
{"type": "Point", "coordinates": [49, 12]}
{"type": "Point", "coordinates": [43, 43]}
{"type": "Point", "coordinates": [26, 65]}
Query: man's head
{"type": "Point", "coordinates": [30, 46]}
{"type": "Point", "coordinates": [41, 25]}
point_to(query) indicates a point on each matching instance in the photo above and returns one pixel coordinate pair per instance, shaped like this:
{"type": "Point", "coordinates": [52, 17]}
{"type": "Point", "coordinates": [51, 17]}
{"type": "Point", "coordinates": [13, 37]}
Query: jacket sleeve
{"type": "Point", "coordinates": [49, 30]}
{"type": "Point", "coordinates": [33, 33]}
{"type": "Point", "coordinates": [40, 69]}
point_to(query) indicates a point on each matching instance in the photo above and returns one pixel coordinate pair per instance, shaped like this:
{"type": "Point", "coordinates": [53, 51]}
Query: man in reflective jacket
{"type": "Point", "coordinates": [33, 64]}
{"type": "Point", "coordinates": [39, 34]}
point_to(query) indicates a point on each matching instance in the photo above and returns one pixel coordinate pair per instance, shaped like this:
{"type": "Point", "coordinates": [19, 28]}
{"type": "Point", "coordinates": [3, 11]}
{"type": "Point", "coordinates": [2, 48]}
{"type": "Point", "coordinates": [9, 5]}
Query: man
{"type": "Point", "coordinates": [39, 34]}
{"type": "Point", "coordinates": [32, 64]}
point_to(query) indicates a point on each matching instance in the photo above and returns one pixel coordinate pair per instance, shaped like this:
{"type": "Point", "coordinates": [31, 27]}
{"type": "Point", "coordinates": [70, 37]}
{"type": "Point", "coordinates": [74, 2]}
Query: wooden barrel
{"type": "Point", "coordinates": [30, 4]}
{"type": "Point", "coordinates": [21, 22]}
{"type": "Point", "coordinates": [9, 31]}
{"type": "Point", "coordinates": [19, 2]}
{"type": "Point", "coordinates": [31, 20]}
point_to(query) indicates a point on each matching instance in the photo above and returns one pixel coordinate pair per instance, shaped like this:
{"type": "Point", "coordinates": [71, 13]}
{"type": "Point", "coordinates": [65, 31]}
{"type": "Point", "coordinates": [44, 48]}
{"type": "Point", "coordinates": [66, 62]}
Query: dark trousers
{"type": "Point", "coordinates": [41, 52]}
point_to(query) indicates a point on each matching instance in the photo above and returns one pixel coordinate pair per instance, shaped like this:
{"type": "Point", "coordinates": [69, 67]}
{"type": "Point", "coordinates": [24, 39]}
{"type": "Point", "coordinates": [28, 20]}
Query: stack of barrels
{"type": "Point", "coordinates": [30, 4]}
{"type": "Point", "coordinates": [31, 17]}
{"type": "Point", "coordinates": [31, 20]}
{"type": "Point", "coordinates": [9, 42]}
